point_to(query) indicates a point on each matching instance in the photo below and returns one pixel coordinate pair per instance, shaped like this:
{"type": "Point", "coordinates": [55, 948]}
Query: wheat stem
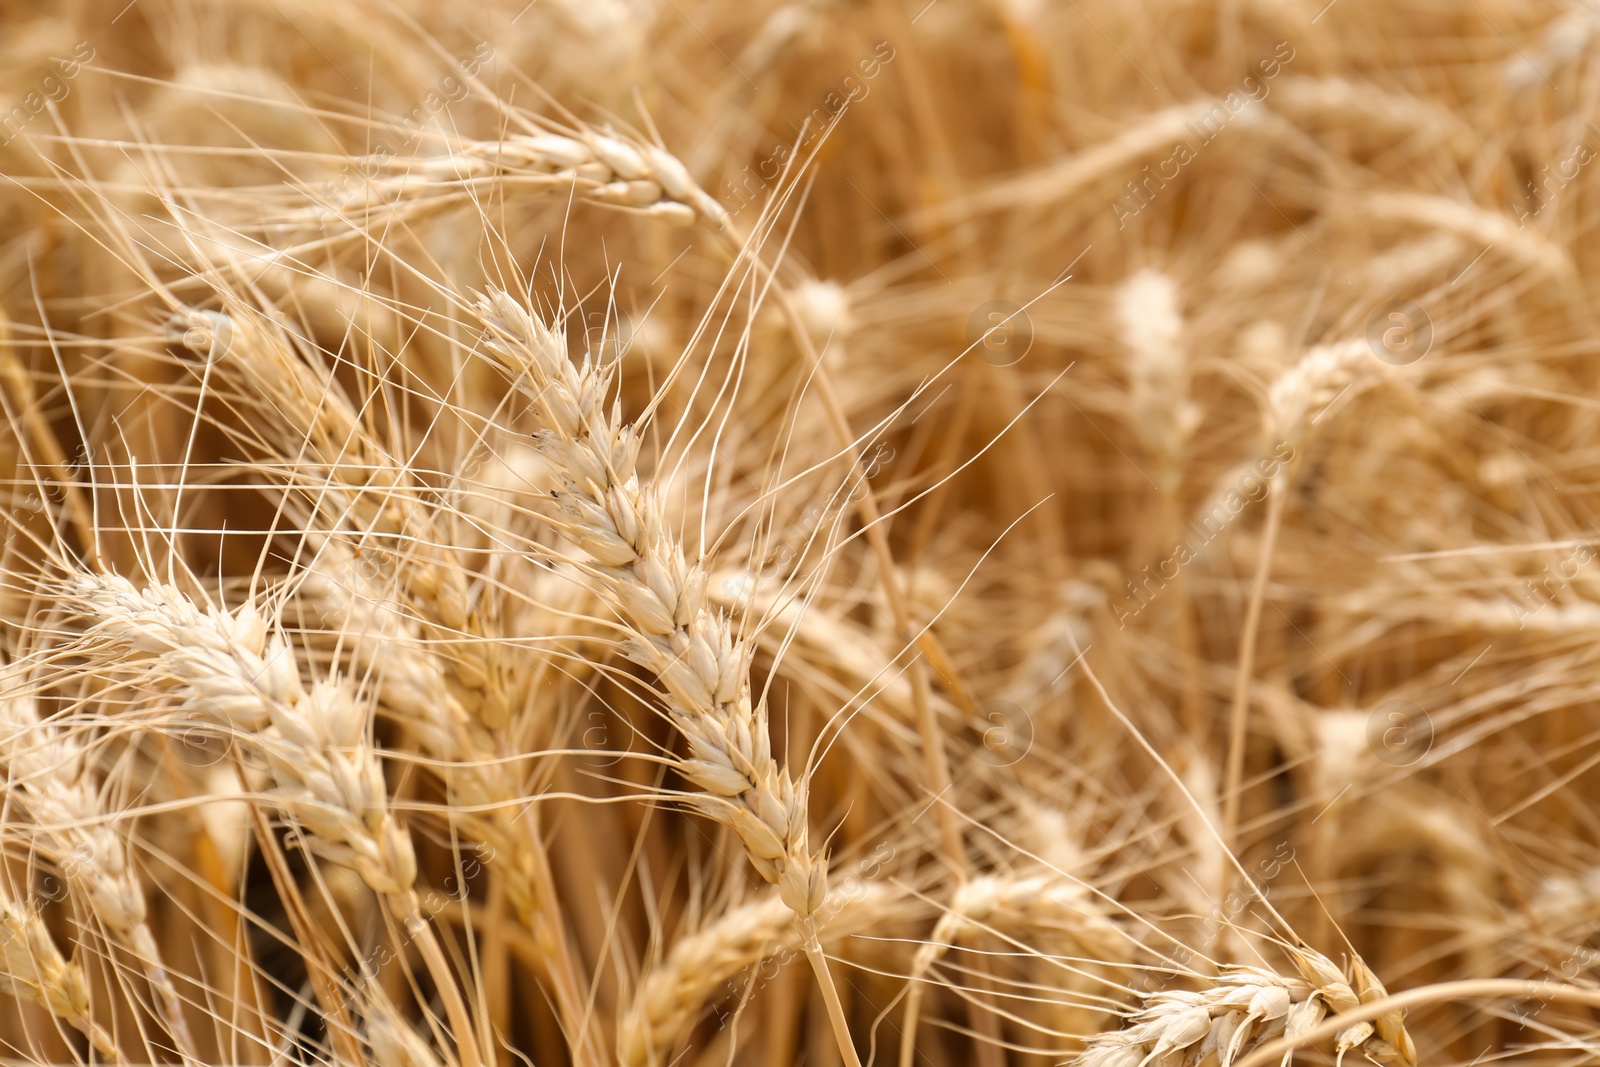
{"type": "Point", "coordinates": [421, 931]}
{"type": "Point", "coordinates": [830, 997]}
{"type": "Point", "coordinates": [1239, 710]}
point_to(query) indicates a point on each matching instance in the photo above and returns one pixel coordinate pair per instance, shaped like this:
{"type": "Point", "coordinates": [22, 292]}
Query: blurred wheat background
{"type": "Point", "coordinates": [694, 532]}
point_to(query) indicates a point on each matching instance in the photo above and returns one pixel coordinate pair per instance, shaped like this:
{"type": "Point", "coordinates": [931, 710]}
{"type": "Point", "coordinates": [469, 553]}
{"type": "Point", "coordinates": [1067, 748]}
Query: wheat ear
{"type": "Point", "coordinates": [640, 566]}
{"type": "Point", "coordinates": [701, 661]}
{"type": "Point", "coordinates": [316, 419]}
{"type": "Point", "coordinates": [232, 668]}
{"type": "Point", "coordinates": [1036, 901]}
{"type": "Point", "coordinates": [1296, 397]}
{"type": "Point", "coordinates": [1143, 137]}
{"type": "Point", "coordinates": [605, 168]}
{"type": "Point", "coordinates": [370, 626]}
{"type": "Point", "coordinates": [325, 772]}
{"type": "Point", "coordinates": [33, 968]}
{"type": "Point", "coordinates": [315, 416]}
{"type": "Point", "coordinates": [1150, 322]}
{"type": "Point", "coordinates": [1244, 1007]}
{"type": "Point", "coordinates": [393, 1040]}
{"type": "Point", "coordinates": [412, 685]}
{"type": "Point", "coordinates": [1527, 247]}
{"type": "Point", "coordinates": [49, 773]}
{"type": "Point", "coordinates": [1365, 106]}
{"type": "Point", "coordinates": [672, 994]}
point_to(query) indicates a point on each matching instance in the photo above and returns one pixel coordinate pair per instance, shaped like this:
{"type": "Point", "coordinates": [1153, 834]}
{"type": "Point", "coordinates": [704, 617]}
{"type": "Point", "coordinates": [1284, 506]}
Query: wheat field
{"type": "Point", "coordinates": [632, 533]}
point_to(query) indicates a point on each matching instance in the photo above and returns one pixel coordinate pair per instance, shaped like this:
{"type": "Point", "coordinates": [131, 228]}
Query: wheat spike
{"type": "Point", "coordinates": [602, 167]}
{"type": "Point", "coordinates": [1299, 394]}
{"type": "Point", "coordinates": [33, 968]}
{"type": "Point", "coordinates": [313, 415]}
{"type": "Point", "coordinates": [1151, 322]}
{"type": "Point", "coordinates": [1524, 246]}
{"type": "Point", "coordinates": [1244, 1007]}
{"type": "Point", "coordinates": [702, 963]}
{"type": "Point", "coordinates": [696, 654]}
{"type": "Point", "coordinates": [1010, 902]}
{"type": "Point", "coordinates": [50, 774]}
{"type": "Point", "coordinates": [324, 769]}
